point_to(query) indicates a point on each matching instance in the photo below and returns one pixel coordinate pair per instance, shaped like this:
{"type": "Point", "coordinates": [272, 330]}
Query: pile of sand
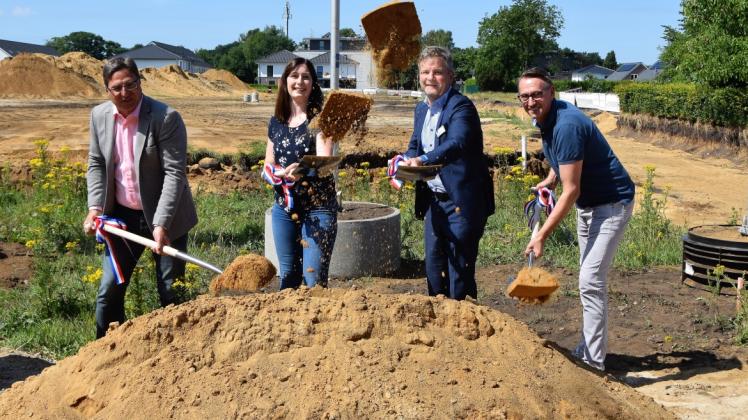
{"type": "Point", "coordinates": [34, 76]}
{"type": "Point", "coordinates": [605, 121]}
{"type": "Point", "coordinates": [247, 273]}
{"type": "Point", "coordinates": [78, 75]}
{"type": "Point", "coordinates": [322, 353]}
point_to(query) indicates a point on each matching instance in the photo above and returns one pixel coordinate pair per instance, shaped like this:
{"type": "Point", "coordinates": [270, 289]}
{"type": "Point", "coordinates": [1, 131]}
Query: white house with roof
{"type": "Point", "coordinates": [158, 54]}
{"type": "Point", "coordinates": [9, 49]}
{"type": "Point", "coordinates": [592, 71]}
{"type": "Point", "coordinates": [356, 68]}
{"type": "Point", "coordinates": [270, 68]}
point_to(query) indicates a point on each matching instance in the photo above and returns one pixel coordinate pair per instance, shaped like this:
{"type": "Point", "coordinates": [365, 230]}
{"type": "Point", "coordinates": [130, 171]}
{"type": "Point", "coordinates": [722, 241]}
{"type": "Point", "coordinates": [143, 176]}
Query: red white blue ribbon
{"type": "Point", "coordinates": [544, 200]}
{"type": "Point", "coordinates": [103, 237]}
{"type": "Point", "coordinates": [269, 175]}
{"type": "Point", "coordinates": [392, 165]}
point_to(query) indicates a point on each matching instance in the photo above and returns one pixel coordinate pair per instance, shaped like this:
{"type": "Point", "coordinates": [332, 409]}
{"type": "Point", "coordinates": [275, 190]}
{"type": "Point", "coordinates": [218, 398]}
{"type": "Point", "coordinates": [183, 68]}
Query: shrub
{"type": "Point", "coordinates": [727, 107]}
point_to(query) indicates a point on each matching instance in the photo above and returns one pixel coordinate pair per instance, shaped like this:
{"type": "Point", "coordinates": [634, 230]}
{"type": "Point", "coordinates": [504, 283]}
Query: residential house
{"type": "Point", "coordinates": [627, 71]}
{"type": "Point", "coordinates": [158, 54]}
{"type": "Point", "coordinates": [356, 68]}
{"type": "Point", "coordinates": [651, 72]}
{"type": "Point", "coordinates": [270, 68]}
{"type": "Point", "coordinates": [592, 71]}
{"type": "Point", "coordinates": [9, 49]}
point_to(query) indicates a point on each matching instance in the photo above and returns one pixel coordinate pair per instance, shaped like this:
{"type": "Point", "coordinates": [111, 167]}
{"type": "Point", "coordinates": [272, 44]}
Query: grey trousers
{"type": "Point", "coordinates": [599, 230]}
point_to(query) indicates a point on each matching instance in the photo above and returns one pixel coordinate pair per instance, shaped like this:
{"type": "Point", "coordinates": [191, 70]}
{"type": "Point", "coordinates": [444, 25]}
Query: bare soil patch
{"type": "Point", "coordinates": [15, 265]}
{"type": "Point", "coordinates": [363, 211]}
{"type": "Point", "coordinates": [349, 353]}
{"type": "Point", "coordinates": [722, 232]}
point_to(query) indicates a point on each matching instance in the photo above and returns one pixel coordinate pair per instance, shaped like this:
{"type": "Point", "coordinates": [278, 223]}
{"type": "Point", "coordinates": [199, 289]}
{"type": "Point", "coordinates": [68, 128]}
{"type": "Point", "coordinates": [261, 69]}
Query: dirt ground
{"type": "Point", "coordinates": [229, 125]}
{"type": "Point", "coordinates": [667, 340]}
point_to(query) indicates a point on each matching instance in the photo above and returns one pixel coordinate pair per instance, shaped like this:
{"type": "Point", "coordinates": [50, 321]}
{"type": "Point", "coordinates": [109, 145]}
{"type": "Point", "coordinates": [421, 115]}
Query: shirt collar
{"type": "Point", "coordinates": [438, 104]}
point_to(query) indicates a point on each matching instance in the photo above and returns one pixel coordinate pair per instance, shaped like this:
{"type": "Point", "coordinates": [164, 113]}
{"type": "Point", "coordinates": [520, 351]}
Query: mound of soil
{"type": "Point", "coordinates": [247, 273]}
{"type": "Point", "coordinates": [225, 77]}
{"type": "Point", "coordinates": [32, 76]}
{"type": "Point", "coordinates": [78, 75]}
{"type": "Point", "coordinates": [322, 353]}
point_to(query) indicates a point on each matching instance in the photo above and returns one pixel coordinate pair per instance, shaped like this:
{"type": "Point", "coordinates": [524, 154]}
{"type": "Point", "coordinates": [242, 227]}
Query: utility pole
{"type": "Point", "coordinates": [335, 23]}
{"type": "Point", "coordinates": [287, 15]}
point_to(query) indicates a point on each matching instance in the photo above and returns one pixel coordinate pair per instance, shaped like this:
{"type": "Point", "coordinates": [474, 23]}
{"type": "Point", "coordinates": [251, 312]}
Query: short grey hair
{"type": "Point", "coordinates": [113, 65]}
{"type": "Point", "coordinates": [440, 52]}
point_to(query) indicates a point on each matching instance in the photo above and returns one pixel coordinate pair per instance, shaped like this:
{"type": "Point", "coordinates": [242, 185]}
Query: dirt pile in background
{"type": "Point", "coordinates": [34, 76]}
{"type": "Point", "coordinates": [322, 353]}
{"type": "Point", "coordinates": [78, 75]}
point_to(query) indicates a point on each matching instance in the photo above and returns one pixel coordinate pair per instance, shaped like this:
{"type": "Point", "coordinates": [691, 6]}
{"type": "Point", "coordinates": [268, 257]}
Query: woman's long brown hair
{"type": "Point", "coordinates": [283, 100]}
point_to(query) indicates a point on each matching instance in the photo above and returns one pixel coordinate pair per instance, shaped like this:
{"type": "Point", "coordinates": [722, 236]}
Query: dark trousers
{"type": "Point", "coordinates": [110, 301]}
{"type": "Point", "coordinates": [451, 249]}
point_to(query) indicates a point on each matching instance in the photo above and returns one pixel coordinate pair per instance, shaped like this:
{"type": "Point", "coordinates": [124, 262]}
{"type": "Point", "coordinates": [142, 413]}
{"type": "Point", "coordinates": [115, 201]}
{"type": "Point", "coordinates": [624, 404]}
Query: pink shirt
{"type": "Point", "coordinates": [126, 187]}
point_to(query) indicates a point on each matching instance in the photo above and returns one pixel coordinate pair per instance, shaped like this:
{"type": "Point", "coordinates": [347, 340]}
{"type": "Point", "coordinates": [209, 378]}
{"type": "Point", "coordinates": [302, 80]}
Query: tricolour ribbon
{"type": "Point", "coordinates": [392, 165]}
{"type": "Point", "coordinates": [103, 237]}
{"type": "Point", "coordinates": [269, 175]}
{"type": "Point", "coordinates": [544, 200]}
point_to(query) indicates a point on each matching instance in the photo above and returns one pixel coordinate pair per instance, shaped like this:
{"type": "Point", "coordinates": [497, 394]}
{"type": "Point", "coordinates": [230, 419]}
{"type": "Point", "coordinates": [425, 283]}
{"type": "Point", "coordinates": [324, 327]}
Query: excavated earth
{"type": "Point", "coordinates": [323, 353]}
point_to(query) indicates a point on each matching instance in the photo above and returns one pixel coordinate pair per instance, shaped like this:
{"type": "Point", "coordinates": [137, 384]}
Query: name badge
{"type": "Point", "coordinates": [440, 132]}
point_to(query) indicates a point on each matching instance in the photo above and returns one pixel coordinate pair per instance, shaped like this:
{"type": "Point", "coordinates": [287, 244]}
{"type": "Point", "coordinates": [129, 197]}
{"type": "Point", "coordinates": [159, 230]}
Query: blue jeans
{"type": "Point", "coordinates": [451, 247]}
{"type": "Point", "coordinates": [304, 246]}
{"type": "Point", "coordinates": [110, 301]}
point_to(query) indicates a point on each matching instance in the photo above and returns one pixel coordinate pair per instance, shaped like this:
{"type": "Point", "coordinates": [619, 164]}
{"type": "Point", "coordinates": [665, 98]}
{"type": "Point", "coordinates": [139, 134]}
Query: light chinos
{"type": "Point", "coordinates": [599, 231]}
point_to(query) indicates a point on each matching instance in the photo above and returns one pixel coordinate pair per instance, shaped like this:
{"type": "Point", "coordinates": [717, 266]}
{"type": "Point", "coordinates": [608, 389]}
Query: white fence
{"type": "Point", "coordinates": [604, 101]}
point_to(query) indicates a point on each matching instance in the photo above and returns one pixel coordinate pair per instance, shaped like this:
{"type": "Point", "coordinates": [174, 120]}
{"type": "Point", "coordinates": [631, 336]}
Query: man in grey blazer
{"type": "Point", "coordinates": [137, 174]}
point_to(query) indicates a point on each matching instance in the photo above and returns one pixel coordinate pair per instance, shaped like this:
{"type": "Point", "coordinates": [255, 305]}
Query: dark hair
{"type": "Point", "coordinates": [536, 73]}
{"type": "Point", "coordinates": [114, 65]}
{"type": "Point", "coordinates": [283, 100]}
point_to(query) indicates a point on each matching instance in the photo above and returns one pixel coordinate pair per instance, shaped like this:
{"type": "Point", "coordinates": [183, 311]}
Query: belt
{"type": "Point", "coordinates": [440, 196]}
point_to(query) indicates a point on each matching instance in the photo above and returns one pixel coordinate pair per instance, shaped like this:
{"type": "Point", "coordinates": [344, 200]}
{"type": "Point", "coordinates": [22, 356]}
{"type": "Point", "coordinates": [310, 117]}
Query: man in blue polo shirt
{"type": "Point", "coordinates": [594, 179]}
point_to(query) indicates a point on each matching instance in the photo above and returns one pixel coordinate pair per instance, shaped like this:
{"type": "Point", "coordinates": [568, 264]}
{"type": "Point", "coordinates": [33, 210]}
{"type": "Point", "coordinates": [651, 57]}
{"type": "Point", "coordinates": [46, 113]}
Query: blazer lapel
{"type": "Point", "coordinates": [107, 145]}
{"type": "Point", "coordinates": [442, 114]}
{"type": "Point", "coordinates": [144, 122]}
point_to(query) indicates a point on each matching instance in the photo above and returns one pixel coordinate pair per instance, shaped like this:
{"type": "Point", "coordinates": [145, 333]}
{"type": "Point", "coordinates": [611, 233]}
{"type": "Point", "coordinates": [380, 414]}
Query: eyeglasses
{"type": "Point", "coordinates": [129, 86]}
{"type": "Point", "coordinates": [537, 95]}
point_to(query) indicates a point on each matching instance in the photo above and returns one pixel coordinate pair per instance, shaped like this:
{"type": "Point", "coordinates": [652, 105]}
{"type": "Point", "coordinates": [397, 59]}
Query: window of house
{"type": "Point", "coordinates": [269, 71]}
{"type": "Point", "coordinates": [320, 71]}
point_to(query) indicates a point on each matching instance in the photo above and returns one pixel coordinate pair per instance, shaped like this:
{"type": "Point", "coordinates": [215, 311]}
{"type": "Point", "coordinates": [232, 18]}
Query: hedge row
{"type": "Point", "coordinates": [725, 107]}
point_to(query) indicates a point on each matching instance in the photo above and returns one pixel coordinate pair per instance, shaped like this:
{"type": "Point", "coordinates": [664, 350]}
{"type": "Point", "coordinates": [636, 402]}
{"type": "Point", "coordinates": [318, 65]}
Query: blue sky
{"type": "Point", "coordinates": [632, 28]}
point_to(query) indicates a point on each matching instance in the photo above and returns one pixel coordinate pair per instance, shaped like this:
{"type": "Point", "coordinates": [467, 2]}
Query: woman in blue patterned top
{"type": "Point", "coordinates": [304, 216]}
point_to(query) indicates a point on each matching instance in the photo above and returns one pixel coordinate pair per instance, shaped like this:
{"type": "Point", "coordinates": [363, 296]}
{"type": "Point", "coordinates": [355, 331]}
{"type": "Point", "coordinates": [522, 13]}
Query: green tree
{"type": "Point", "coordinates": [464, 61]}
{"type": "Point", "coordinates": [347, 32]}
{"type": "Point", "coordinates": [711, 46]}
{"type": "Point", "coordinates": [438, 37]}
{"type": "Point", "coordinates": [511, 38]}
{"type": "Point", "coordinates": [87, 42]}
{"type": "Point", "coordinates": [241, 57]}
{"type": "Point", "coordinates": [610, 60]}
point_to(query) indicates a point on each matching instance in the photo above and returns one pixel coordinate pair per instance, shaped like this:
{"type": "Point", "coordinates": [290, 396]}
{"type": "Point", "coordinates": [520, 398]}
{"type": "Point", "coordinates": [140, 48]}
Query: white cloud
{"type": "Point", "coordinates": [21, 11]}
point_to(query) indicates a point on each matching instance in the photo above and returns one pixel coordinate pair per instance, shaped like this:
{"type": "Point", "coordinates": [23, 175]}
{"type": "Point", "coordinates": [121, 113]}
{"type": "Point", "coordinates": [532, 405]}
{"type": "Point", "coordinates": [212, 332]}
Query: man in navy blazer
{"type": "Point", "coordinates": [456, 204]}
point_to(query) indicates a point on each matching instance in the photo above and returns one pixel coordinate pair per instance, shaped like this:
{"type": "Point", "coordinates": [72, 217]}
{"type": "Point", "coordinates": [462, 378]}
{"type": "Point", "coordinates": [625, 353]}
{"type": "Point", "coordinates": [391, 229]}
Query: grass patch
{"type": "Point", "coordinates": [54, 315]}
